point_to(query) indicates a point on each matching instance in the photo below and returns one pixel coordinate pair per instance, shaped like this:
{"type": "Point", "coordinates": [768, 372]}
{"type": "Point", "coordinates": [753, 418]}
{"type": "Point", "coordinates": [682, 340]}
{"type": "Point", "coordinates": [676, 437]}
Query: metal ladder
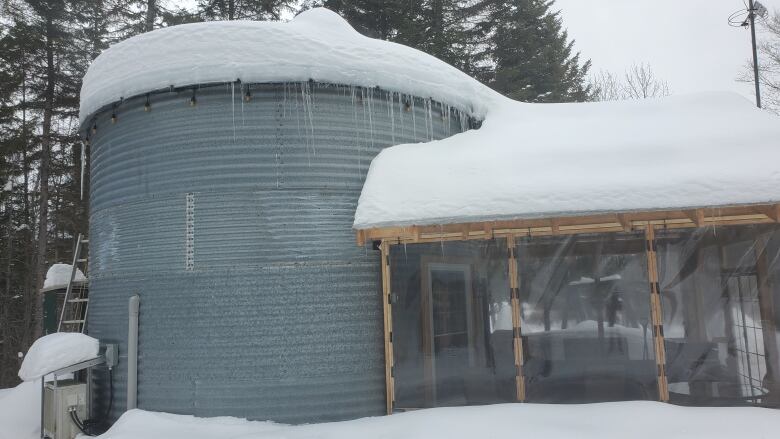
{"type": "Point", "coordinates": [73, 317]}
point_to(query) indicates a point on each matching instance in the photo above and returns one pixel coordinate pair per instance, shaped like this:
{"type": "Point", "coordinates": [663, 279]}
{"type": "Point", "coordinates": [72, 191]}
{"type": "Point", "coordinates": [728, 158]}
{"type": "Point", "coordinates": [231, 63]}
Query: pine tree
{"type": "Point", "coordinates": [245, 9]}
{"type": "Point", "coordinates": [373, 18]}
{"type": "Point", "coordinates": [534, 59]}
{"type": "Point", "coordinates": [42, 63]}
{"type": "Point", "coordinates": [446, 29]}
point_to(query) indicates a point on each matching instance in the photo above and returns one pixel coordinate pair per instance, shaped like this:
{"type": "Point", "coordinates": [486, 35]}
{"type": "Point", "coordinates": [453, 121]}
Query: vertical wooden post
{"type": "Point", "coordinates": [388, 320]}
{"type": "Point", "coordinates": [656, 313]}
{"type": "Point", "coordinates": [766, 311]}
{"type": "Point", "coordinates": [514, 291]}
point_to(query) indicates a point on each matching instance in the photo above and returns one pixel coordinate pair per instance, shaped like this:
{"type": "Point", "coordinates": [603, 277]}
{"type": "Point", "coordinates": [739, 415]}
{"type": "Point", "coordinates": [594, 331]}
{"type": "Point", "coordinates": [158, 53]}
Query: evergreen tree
{"type": "Point", "coordinates": [518, 47]}
{"type": "Point", "coordinates": [534, 59]}
{"type": "Point", "coordinates": [446, 29]}
{"type": "Point", "coordinates": [42, 62]}
{"type": "Point", "coordinates": [374, 18]}
{"type": "Point", "coordinates": [245, 9]}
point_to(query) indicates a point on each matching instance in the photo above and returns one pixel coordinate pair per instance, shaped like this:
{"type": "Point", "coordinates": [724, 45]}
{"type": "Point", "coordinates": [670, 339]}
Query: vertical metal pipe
{"type": "Point", "coordinates": [132, 352]}
{"type": "Point", "coordinates": [43, 405]}
{"type": "Point", "coordinates": [752, 16]}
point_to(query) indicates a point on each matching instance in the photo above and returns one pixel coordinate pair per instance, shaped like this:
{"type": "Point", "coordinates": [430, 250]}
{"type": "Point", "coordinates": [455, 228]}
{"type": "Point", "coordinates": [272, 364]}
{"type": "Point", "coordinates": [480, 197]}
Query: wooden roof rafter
{"type": "Point", "coordinates": [564, 225]}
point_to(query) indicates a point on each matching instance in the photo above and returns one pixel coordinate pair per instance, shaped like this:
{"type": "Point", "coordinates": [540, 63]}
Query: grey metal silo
{"type": "Point", "coordinates": [231, 218]}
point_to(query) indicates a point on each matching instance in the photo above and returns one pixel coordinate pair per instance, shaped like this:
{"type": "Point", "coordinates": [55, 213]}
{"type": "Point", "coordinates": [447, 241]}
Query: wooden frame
{"type": "Point", "coordinates": [648, 221]}
{"type": "Point", "coordinates": [613, 222]}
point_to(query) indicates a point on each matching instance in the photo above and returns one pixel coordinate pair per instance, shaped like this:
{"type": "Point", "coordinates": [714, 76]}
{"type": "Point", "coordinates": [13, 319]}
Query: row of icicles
{"type": "Point", "coordinates": [360, 96]}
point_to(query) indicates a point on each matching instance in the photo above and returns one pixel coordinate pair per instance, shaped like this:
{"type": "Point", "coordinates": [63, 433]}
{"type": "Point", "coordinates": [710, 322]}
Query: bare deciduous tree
{"type": "Point", "coordinates": [638, 82]}
{"type": "Point", "coordinates": [768, 65]}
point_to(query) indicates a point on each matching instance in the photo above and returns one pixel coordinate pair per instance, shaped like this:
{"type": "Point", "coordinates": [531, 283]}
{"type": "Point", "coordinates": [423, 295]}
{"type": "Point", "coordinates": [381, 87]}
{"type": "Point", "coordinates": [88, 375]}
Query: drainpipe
{"type": "Point", "coordinates": [132, 352]}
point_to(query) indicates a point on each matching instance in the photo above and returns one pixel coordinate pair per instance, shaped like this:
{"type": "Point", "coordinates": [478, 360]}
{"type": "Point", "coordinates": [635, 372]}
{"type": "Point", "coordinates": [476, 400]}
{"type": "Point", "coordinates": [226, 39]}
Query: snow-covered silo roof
{"type": "Point", "coordinates": [552, 160]}
{"type": "Point", "coordinates": [317, 45]}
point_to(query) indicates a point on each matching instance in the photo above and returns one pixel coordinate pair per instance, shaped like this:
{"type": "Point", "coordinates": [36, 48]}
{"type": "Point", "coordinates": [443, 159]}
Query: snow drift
{"type": "Point", "coordinates": [546, 160]}
{"type": "Point", "coordinates": [55, 351]}
{"type": "Point", "coordinates": [20, 411]}
{"type": "Point", "coordinates": [58, 276]}
{"type": "Point", "coordinates": [317, 45]}
{"type": "Point", "coordinates": [636, 420]}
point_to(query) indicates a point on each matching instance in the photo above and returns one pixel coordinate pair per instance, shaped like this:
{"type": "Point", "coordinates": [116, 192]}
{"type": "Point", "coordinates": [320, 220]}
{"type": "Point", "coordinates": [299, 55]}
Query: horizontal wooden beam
{"type": "Point", "coordinates": [566, 225]}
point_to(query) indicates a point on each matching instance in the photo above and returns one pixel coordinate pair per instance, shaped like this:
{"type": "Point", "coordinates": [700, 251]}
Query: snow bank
{"type": "Point", "coordinates": [55, 351]}
{"type": "Point", "coordinates": [317, 44]}
{"type": "Point", "coordinates": [544, 160]}
{"type": "Point", "coordinates": [58, 276]}
{"type": "Point", "coordinates": [636, 420]}
{"type": "Point", "coordinates": [20, 411]}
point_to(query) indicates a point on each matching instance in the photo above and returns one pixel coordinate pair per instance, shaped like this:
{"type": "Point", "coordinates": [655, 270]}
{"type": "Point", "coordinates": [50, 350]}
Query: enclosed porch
{"type": "Point", "coordinates": [678, 306]}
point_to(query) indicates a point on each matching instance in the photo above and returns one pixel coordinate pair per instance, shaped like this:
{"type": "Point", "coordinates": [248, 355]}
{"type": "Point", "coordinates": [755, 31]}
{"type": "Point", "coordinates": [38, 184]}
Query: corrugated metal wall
{"type": "Point", "coordinates": [275, 313]}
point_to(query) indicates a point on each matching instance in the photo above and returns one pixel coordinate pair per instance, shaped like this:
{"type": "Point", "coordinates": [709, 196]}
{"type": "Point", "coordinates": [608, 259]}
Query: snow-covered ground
{"type": "Point", "coordinates": [635, 420]}
{"type": "Point", "coordinates": [20, 411]}
{"type": "Point", "coordinates": [20, 417]}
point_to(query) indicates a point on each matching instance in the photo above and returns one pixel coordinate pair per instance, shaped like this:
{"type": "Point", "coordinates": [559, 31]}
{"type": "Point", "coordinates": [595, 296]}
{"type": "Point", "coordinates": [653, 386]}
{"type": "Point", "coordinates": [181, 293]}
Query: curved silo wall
{"type": "Point", "coordinates": [232, 221]}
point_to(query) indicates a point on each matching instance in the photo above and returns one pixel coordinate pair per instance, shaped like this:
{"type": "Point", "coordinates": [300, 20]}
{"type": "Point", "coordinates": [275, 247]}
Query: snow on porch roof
{"type": "Point", "coordinates": [549, 160]}
{"type": "Point", "coordinates": [318, 44]}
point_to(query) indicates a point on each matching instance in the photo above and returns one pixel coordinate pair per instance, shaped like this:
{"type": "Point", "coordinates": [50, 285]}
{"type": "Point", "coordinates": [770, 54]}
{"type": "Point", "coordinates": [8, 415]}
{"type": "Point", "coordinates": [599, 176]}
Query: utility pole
{"type": "Point", "coordinates": [752, 18]}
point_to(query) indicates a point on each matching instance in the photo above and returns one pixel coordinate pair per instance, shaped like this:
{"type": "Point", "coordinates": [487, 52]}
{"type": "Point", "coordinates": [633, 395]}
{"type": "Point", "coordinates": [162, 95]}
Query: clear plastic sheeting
{"type": "Point", "coordinates": [452, 323]}
{"type": "Point", "coordinates": [585, 318]}
{"type": "Point", "coordinates": [720, 299]}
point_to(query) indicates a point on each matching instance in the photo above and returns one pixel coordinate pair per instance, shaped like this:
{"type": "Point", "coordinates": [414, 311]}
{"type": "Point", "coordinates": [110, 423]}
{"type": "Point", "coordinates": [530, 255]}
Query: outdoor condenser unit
{"type": "Point", "coordinates": [58, 400]}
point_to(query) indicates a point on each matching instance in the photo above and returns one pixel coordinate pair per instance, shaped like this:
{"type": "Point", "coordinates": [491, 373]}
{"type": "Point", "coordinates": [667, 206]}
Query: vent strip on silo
{"type": "Point", "coordinates": [189, 240]}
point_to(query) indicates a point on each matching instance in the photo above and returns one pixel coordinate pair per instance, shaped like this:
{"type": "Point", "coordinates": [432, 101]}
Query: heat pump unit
{"type": "Point", "coordinates": [58, 401]}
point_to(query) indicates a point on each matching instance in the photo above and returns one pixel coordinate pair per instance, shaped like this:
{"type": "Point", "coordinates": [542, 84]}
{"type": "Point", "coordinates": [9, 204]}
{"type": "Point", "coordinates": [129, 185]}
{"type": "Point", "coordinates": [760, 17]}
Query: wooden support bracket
{"type": "Point", "coordinates": [696, 215]}
{"type": "Point", "coordinates": [773, 212]}
{"type": "Point", "coordinates": [625, 222]}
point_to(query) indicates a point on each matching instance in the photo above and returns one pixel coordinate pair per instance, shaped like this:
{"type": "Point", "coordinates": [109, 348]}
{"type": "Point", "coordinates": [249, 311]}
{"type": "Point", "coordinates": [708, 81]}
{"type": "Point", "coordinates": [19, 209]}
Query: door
{"type": "Point", "coordinates": [447, 330]}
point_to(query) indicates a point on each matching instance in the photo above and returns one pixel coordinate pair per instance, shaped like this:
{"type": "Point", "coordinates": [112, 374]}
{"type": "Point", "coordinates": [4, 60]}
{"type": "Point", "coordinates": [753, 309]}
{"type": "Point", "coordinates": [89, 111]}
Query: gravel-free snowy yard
{"type": "Point", "coordinates": [634, 420]}
{"type": "Point", "coordinates": [19, 420]}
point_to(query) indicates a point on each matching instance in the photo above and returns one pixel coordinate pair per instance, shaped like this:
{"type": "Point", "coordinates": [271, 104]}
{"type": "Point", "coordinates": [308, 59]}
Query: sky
{"type": "Point", "coordinates": [688, 43]}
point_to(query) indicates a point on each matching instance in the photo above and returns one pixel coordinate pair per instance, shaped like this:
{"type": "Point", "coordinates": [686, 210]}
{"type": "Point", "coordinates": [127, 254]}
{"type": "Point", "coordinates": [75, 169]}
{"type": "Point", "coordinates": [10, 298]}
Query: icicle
{"type": "Point", "coordinates": [414, 119]}
{"type": "Point", "coordinates": [298, 118]}
{"type": "Point", "coordinates": [401, 113]}
{"type": "Point", "coordinates": [356, 137]}
{"type": "Point", "coordinates": [371, 116]}
{"type": "Point", "coordinates": [391, 110]}
{"type": "Point", "coordinates": [429, 118]}
{"type": "Point", "coordinates": [308, 118]}
{"type": "Point", "coordinates": [445, 117]}
{"type": "Point", "coordinates": [284, 99]}
{"type": "Point", "coordinates": [233, 107]}
{"type": "Point", "coordinates": [441, 239]}
{"type": "Point", "coordinates": [243, 122]}
{"type": "Point", "coordinates": [362, 102]}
